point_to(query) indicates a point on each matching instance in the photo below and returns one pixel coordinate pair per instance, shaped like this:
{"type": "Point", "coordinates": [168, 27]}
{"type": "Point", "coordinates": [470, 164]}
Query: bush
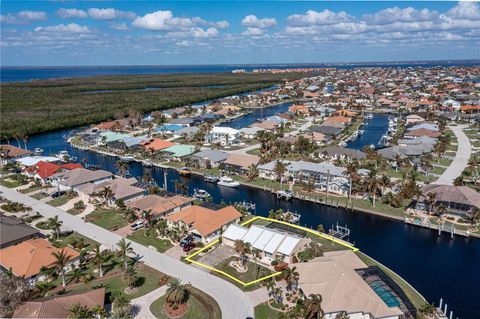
{"type": "Point", "coordinates": [274, 263]}
{"type": "Point", "coordinates": [200, 245]}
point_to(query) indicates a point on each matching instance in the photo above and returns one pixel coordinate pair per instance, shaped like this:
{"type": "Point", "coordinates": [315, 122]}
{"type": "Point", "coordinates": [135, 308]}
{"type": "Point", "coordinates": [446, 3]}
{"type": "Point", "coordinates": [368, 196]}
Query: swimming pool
{"type": "Point", "coordinates": [384, 292]}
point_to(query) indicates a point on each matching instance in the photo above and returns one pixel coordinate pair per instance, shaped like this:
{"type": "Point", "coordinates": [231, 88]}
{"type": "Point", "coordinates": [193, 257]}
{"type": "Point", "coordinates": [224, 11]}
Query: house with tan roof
{"type": "Point", "coordinates": [421, 132]}
{"type": "Point", "coordinates": [338, 119]}
{"type": "Point", "coordinates": [10, 153]}
{"type": "Point", "coordinates": [160, 206]}
{"type": "Point", "coordinates": [203, 223]}
{"type": "Point", "coordinates": [27, 258]}
{"type": "Point", "coordinates": [59, 306]}
{"type": "Point", "coordinates": [458, 200]}
{"type": "Point", "coordinates": [156, 144]}
{"type": "Point", "coordinates": [73, 179]}
{"type": "Point", "coordinates": [334, 276]}
{"type": "Point", "coordinates": [239, 163]}
{"type": "Point", "coordinates": [122, 189]}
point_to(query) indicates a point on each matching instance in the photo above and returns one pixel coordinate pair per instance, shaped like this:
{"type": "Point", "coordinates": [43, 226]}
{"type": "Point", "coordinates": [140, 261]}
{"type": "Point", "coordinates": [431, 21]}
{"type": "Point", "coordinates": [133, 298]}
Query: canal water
{"type": "Point", "coordinates": [257, 115]}
{"type": "Point", "coordinates": [436, 266]}
{"type": "Point", "coordinates": [372, 132]}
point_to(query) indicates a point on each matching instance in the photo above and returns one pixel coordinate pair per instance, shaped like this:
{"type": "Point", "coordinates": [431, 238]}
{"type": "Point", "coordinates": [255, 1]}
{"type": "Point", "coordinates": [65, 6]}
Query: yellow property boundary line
{"type": "Point", "coordinates": [245, 284]}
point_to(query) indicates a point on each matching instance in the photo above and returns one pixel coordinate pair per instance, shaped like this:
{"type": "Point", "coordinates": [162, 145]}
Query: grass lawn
{"type": "Point", "coordinates": [200, 306]}
{"type": "Point", "coordinates": [248, 276]}
{"type": "Point", "coordinates": [60, 200]}
{"type": "Point", "coordinates": [68, 240]}
{"type": "Point", "coordinates": [445, 161]}
{"type": "Point", "coordinates": [412, 295]}
{"type": "Point", "coordinates": [74, 211]}
{"type": "Point", "coordinates": [264, 311]}
{"type": "Point", "coordinates": [437, 170]}
{"type": "Point", "coordinates": [139, 236]}
{"type": "Point", "coordinates": [10, 183]}
{"type": "Point", "coordinates": [39, 196]}
{"type": "Point", "coordinates": [107, 218]}
{"type": "Point", "coordinates": [31, 189]}
{"type": "Point", "coordinates": [255, 151]}
{"type": "Point", "coordinates": [327, 245]}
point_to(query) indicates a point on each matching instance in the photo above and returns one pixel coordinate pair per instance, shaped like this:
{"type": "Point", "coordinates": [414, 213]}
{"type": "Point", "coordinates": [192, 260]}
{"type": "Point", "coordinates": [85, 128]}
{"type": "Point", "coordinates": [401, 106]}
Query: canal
{"type": "Point", "coordinates": [436, 266]}
{"type": "Point", "coordinates": [372, 132]}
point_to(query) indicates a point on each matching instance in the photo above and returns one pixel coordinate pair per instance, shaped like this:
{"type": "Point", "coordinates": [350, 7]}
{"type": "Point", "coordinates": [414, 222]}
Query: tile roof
{"type": "Point", "coordinates": [81, 176]}
{"type": "Point", "coordinates": [243, 161]}
{"type": "Point", "coordinates": [10, 151]}
{"type": "Point", "coordinates": [159, 204]}
{"type": "Point", "coordinates": [27, 258]}
{"type": "Point", "coordinates": [156, 144]}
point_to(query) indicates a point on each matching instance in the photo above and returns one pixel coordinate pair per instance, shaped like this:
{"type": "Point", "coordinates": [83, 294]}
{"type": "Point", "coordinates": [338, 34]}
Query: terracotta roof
{"type": "Point", "coordinates": [157, 144]}
{"type": "Point", "coordinates": [422, 132]}
{"type": "Point", "coordinates": [204, 220]}
{"type": "Point", "coordinates": [267, 124]}
{"type": "Point", "coordinates": [468, 108]}
{"type": "Point", "coordinates": [347, 113]}
{"type": "Point", "coordinates": [58, 306]}
{"type": "Point", "coordinates": [244, 161]}
{"type": "Point", "coordinates": [338, 119]}
{"type": "Point", "coordinates": [27, 258]}
{"type": "Point", "coordinates": [10, 151]}
{"type": "Point", "coordinates": [159, 204]}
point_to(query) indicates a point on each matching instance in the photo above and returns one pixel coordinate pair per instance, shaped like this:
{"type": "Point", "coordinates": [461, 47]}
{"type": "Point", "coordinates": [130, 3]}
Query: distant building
{"type": "Point", "coordinates": [10, 153]}
{"type": "Point", "coordinates": [224, 136]}
{"type": "Point", "coordinates": [73, 179]}
{"type": "Point", "coordinates": [14, 231]}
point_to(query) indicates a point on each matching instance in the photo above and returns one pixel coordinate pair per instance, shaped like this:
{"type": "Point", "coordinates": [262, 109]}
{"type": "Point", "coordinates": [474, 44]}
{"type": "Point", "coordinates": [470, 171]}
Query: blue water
{"type": "Point", "coordinates": [372, 134]}
{"type": "Point", "coordinates": [436, 266]}
{"type": "Point", "coordinates": [257, 115]}
{"type": "Point", "coordinates": [22, 74]}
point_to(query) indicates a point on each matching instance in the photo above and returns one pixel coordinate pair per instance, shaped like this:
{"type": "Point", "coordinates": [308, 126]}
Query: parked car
{"type": "Point", "coordinates": [58, 194]}
{"type": "Point", "coordinates": [189, 247]}
{"type": "Point", "coordinates": [137, 225]}
{"type": "Point", "coordinates": [186, 240]}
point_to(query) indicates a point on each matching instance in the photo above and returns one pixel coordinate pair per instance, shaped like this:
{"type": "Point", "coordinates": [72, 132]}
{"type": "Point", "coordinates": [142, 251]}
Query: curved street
{"type": "Point", "coordinates": [233, 302]}
{"type": "Point", "coordinates": [460, 161]}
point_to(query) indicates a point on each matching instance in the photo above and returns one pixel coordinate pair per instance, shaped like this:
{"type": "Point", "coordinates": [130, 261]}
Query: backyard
{"type": "Point", "coordinates": [251, 274]}
{"type": "Point", "coordinates": [111, 219]}
{"type": "Point", "coordinates": [142, 237]}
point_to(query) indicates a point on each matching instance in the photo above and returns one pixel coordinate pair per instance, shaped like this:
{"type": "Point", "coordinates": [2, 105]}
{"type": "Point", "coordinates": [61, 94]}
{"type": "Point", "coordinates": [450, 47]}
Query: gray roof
{"type": "Point", "coordinates": [189, 130]}
{"type": "Point", "coordinates": [326, 129]}
{"type": "Point", "coordinates": [453, 194]}
{"type": "Point", "coordinates": [337, 150]}
{"type": "Point", "coordinates": [271, 165]}
{"type": "Point", "coordinates": [322, 168]}
{"type": "Point", "coordinates": [80, 176]}
{"type": "Point", "coordinates": [182, 120]}
{"type": "Point", "coordinates": [13, 230]}
{"type": "Point", "coordinates": [212, 155]}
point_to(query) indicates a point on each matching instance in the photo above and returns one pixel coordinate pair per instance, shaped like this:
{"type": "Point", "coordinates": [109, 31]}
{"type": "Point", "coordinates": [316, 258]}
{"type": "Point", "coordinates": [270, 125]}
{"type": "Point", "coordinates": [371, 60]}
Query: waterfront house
{"type": "Point", "coordinates": [224, 136]}
{"type": "Point", "coordinates": [457, 200]}
{"type": "Point", "coordinates": [250, 132]}
{"type": "Point", "coordinates": [169, 128]}
{"type": "Point", "coordinates": [421, 132]}
{"type": "Point", "coordinates": [185, 122]}
{"type": "Point", "coordinates": [59, 306]}
{"type": "Point", "coordinates": [267, 170]}
{"type": "Point", "coordinates": [272, 244]}
{"type": "Point", "coordinates": [330, 131]}
{"type": "Point", "coordinates": [160, 206]}
{"type": "Point", "coordinates": [413, 119]}
{"type": "Point", "coordinates": [338, 119]}
{"type": "Point", "coordinates": [14, 231]}
{"type": "Point", "coordinates": [186, 132]}
{"type": "Point", "coordinates": [156, 144]}
{"type": "Point", "coordinates": [316, 137]}
{"type": "Point", "coordinates": [203, 223]}
{"type": "Point", "coordinates": [173, 113]}
{"type": "Point", "coordinates": [425, 125]}
{"type": "Point", "coordinates": [32, 160]}
{"type": "Point", "coordinates": [343, 281]}
{"type": "Point", "coordinates": [27, 258]}
{"type": "Point", "coordinates": [266, 125]}
{"type": "Point", "coordinates": [333, 153]}
{"type": "Point", "coordinates": [411, 149]}
{"type": "Point", "coordinates": [121, 189]}
{"type": "Point", "coordinates": [73, 179]}
{"type": "Point", "coordinates": [208, 158]}
{"type": "Point", "coordinates": [42, 171]}
{"type": "Point", "coordinates": [238, 163]}
{"type": "Point", "coordinates": [299, 109]}
{"type": "Point", "coordinates": [178, 151]}
{"type": "Point", "coordinates": [10, 153]}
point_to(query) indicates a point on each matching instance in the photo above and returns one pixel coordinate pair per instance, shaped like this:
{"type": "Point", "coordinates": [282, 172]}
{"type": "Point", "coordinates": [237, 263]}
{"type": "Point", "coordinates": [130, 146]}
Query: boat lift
{"type": "Point", "coordinates": [339, 231]}
{"type": "Point", "coordinates": [248, 206]}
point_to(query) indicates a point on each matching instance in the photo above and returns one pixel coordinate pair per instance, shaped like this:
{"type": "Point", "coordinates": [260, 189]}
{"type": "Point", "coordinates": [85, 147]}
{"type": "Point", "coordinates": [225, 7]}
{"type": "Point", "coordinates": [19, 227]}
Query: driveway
{"type": "Point", "coordinates": [233, 302]}
{"type": "Point", "coordinates": [216, 256]}
{"type": "Point", "coordinates": [142, 304]}
{"type": "Point", "coordinates": [460, 161]}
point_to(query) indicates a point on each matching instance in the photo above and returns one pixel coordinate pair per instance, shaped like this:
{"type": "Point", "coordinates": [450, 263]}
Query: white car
{"type": "Point", "coordinates": [137, 225]}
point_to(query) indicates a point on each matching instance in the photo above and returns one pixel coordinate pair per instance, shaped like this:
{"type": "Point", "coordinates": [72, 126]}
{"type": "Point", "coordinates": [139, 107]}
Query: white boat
{"type": "Point", "coordinates": [342, 144]}
{"type": "Point", "coordinates": [285, 194]}
{"type": "Point", "coordinates": [147, 163]}
{"type": "Point", "coordinates": [369, 116]}
{"type": "Point", "coordinates": [63, 156]}
{"type": "Point", "coordinates": [127, 159]}
{"type": "Point", "coordinates": [228, 182]}
{"type": "Point", "coordinates": [201, 194]}
{"type": "Point", "coordinates": [210, 178]}
{"type": "Point", "coordinates": [360, 132]}
{"type": "Point", "coordinates": [38, 151]}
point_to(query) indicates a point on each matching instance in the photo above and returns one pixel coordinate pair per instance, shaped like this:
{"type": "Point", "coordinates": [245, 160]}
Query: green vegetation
{"type": "Point", "coordinates": [253, 273]}
{"type": "Point", "coordinates": [31, 189]}
{"type": "Point", "coordinates": [144, 237]}
{"type": "Point", "coordinates": [416, 299]}
{"type": "Point", "coordinates": [45, 225]}
{"type": "Point", "coordinates": [39, 196]}
{"type": "Point", "coordinates": [13, 181]}
{"type": "Point", "coordinates": [76, 241]}
{"type": "Point", "coordinates": [40, 106]}
{"type": "Point", "coordinates": [264, 311]}
{"type": "Point", "coordinates": [60, 200]}
{"type": "Point", "coordinates": [107, 218]}
{"type": "Point", "coordinates": [200, 306]}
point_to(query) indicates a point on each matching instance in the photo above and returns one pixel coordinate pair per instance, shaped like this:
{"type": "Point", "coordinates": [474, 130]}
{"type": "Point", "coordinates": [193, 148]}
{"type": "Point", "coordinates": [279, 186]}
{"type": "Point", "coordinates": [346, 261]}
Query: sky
{"type": "Point", "coordinates": [66, 33]}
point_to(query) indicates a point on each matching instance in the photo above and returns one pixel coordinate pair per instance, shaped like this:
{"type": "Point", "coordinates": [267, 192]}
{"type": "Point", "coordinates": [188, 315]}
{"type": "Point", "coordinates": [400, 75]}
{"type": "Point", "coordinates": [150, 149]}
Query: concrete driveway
{"type": "Point", "coordinates": [460, 161]}
{"type": "Point", "coordinates": [216, 256]}
{"type": "Point", "coordinates": [232, 301]}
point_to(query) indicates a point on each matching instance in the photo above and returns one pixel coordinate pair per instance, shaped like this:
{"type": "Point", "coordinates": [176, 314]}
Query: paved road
{"type": "Point", "coordinates": [461, 158]}
{"type": "Point", "coordinates": [233, 302]}
{"type": "Point", "coordinates": [143, 303]}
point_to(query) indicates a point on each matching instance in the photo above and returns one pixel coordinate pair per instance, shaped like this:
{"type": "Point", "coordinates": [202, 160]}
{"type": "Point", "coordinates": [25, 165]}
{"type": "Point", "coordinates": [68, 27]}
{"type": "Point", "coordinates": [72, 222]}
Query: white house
{"type": "Point", "coordinates": [225, 136]}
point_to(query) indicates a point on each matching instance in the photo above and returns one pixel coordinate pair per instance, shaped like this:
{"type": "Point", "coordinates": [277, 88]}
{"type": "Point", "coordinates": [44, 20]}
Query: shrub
{"type": "Point", "coordinates": [200, 244]}
{"type": "Point", "coordinates": [274, 262]}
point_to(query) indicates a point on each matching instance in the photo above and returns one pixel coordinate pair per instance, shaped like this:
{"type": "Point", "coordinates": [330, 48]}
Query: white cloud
{"type": "Point", "coordinates": [312, 17]}
{"type": "Point", "coordinates": [254, 32]}
{"type": "Point", "coordinates": [161, 20]}
{"type": "Point", "coordinates": [71, 13]}
{"type": "Point", "coordinates": [397, 14]}
{"type": "Point", "coordinates": [465, 10]}
{"type": "Point", "coordinates": [222, 24]}
{"type": "Point", "coordinates": [109, 14]}
{"type": "Point", "coordinates": [23, 17]}
{"type": "Point", "coordinates": [119, 26]}
{"type": "Point", "coordinates": [253, 22]}
{"type": "Point", "coordinates": [197, 32]}
{"type": "Point", "coordinates": [64, 28]}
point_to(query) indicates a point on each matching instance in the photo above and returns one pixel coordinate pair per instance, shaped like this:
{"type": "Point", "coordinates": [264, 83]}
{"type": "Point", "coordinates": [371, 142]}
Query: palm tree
{"type": "Point", "coordinates": [106, 194]}
{"type": "Point", "coordinates": [55, 224]}
{"type": "Point", "coordinates": [279, 169]}
{"type": "Point", "coordinates": [291, 277]}
{"type": "Point", "coordinates": [384, 182]}
{"type": "Point", "coordinates": [61, 260]}
{"type": "Point", "coordinates": [431, 199]}
{"type": "Point", "coordinates": [124, 248]}
{"type": "Point", "coordinates": [98, 258]}
{"type": "Point", "coordinates": [75, 275]}
{"type": "Point", "coordinates": [121, 307]}
{"type": "Point", "coordinates": [252, 172]}
{"type": "Point", "coordinates": [241, 248]}
{"type": "Point", "coordinates": [372, 185]}
{"type": "Point", "coordinates": [351, 173]}
{"type": "Point", "coordinates": [122, 168]}
{"type": "Point", "coordinates": [78, 312]}
{"type": "Point", "coordinates": [177, 293]}
{"type": "Point", "coordinates": [313, 307]}
{"type": "Point", "coordinates": [130, 276]}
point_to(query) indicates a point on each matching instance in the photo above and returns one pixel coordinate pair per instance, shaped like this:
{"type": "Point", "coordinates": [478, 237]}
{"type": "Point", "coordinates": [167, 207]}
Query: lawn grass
{"type": "Point", "coordinates": [31, 189]}
{"type": "Point", "coordinates": [264, 311]}
{"type": "Point", "coordinates": [416, 299]}
{"type": "Point", "coordinates": [69, 239]}
{"type": "Point", "coordinates": [200, 306]}
{"type": "Point", "coordinates": [107, 218]}
{"type": "Point", "coordinates": [445, 161]}
{"type": "Point", "coordinates": [437, 170]}
{"type": "Point", "coordinates": [255, 151]}
{"type": "Point", "coordinates": [246, 277]}
{"type": "Point", "coordinates": [10, 183]}
{"type": "Point", "coordinates": [327, 245]}
{"type": "Point", "coordinates": [60, 200]}
{"type": "Point", "coordinates": [142, 237]}
{"type": "Point", "coordinates": [39, 196]}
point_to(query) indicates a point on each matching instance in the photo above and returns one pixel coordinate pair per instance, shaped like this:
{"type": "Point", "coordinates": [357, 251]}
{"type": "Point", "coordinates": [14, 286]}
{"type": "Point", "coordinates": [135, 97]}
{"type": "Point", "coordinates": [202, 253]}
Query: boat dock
{"type": "Point", "coordinates": [443, 227]}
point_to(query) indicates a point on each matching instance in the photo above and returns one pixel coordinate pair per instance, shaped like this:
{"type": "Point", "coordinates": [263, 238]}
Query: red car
{"type": "Point", "coordinates": [188, 247]}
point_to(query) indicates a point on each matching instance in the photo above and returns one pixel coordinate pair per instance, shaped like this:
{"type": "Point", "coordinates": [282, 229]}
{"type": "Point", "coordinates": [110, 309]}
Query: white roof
{"type": "Point", "coordinates": [224, 130]}
{"type": "Point", "coordinates": [263, 240]}
{"type": "Point", "coordinates": [276, 240]}
{"type": "Point", "coordinates": [235, 232]}
{"type": "Point", "coordinates": [253, 233]}
{"type": "Point", "coordinates": [288, 245]}
{"type": "Point", "coordinates": [33, 160]}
